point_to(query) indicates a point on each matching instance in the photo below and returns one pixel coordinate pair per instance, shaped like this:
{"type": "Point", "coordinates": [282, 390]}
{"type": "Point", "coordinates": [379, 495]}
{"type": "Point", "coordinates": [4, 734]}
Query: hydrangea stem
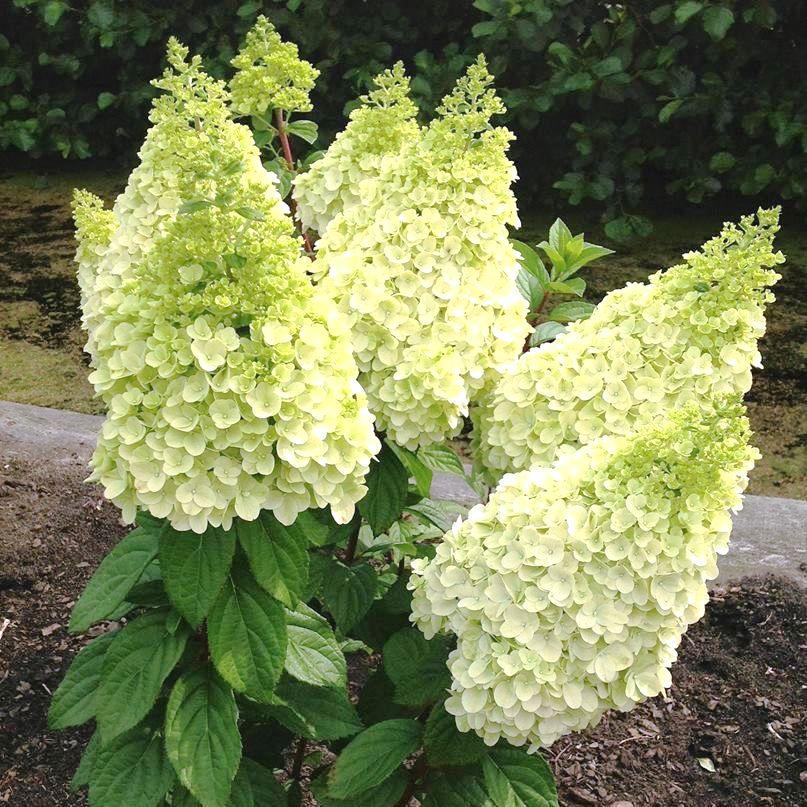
{"type": "Point", "coordinates": [288, 156]}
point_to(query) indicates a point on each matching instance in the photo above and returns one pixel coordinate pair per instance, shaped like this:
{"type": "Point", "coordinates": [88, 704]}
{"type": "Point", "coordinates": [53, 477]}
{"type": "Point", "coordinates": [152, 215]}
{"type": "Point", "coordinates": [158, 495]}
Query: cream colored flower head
{"type": "Point", "coordinates": [228, 378]}
{"type": "Point", "coordinates": [688, 334]}
{"type": "Point", "coordinates": [570, 590]}
{"type": "Point", "coordinates": [269, 74]}
{"type": "Point", "coordinates": [421, 262]}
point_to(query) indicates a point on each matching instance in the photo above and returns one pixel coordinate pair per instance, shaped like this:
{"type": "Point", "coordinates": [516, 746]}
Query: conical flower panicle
{"type": "Point", "coordinates": [570, 590]}
{"type": "Point", "coordinates": [378, 130]}
{"type": "Point", "coordinates": [228, 377]}
{"type": "Point", "coordinates": [688, 334]}
{"type": "Point", "coordinates": [424, 266]}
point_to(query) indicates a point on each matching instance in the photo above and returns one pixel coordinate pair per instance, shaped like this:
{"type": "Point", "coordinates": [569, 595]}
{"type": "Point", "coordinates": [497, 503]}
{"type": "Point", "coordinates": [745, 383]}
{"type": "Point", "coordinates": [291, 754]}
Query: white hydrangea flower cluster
{"type": "Point", "coordinates": [422, 262]}
{"type": "Point", "coordinates": [570, 590]}
{"type": "Point", "coordinates": [228, 377]}
{"type": "Point", "coordinates": [374, 137]}
{"type": "Point", "coordinates": [688, 334]}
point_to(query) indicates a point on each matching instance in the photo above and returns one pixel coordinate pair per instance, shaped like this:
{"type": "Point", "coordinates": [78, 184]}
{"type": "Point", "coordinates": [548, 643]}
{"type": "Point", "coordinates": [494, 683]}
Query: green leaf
{"type": "Point", "coordinates": [418, 470]}
{"type": "Point", "coordinates": [669, 109]}
{"type": "Point", "coordinates": [514, 777]}
{"type": "Point", "coordinates": [313, 655]}
{"type": "Point", "coordinates": [106, 99]}
{"type": "Point", "coordinates": [376, 699]}
{"type": "Point", "coordinates": [588, 254]}
{"type": "Point", "coordinates": [193, 205]}
{"type": "Point", "coordinates": [440, 457]}
{"type": "Point", "coordinates": [321, 530]}
{"type": "Point", "coordinates": [608, 66]}
{"type": "Point", "coordinates": [432, 513]}
{"type": "Point", "coordinates": [348, 592]}
{"type": "Point", "coordinates": [246, 631]}
{"type": "Point", "coordinates": [304, 129]}
{"type": "Point", "coordinates": [89, 760]}
{"type": "Point", "coordinates": [717, 20]}
{"type": "Point", "coordinates": [574, 285]}
{"type": "Point", "coordinates": [113, 579]}
{"type": "Point", "coordinates": [277, 556]}
{"type": "Point", "coordinates": [417, 667]}
{"type": "Point", "coordinates": [73, 702]}
{"type": "Point", "coordinates": [387, 484]}
{"type": "Point", "coordinates": [251, 213]}
{"type": "Point", "coordinates": [53, 11]}
{"type": "Point", "coordinates": [545, 331]}
{"type": "Point", "coordinates": [686, 10]}
{"type": "Point", "coordinates": [132, 770]}
{"type": "Point", "coordinates": [372, 756]}
{"type": "Point", "coordinates": [284, 176]}
{"type": "Point", "coordinates": [195, 567]}
{"type": "Point", "coordinates": [201, 735]}
{"type": "Point", "coordinates": [530, 288]}
{"type": "Point", "coordinates": [448, 747]}
{"type": "Point", "coordinates": [385, 794]}
{"type": "Point", "coordinates": [135, 667]}
{"type": "Point", "coordinates": [571, 311]}
{"type": "Point", "coordinates": [456, 789]}
{"type": "Point", "coordinates": [722, 161]}
{"type": "Point", "coordinates": [531, 261]}
{"type": "Point", "coordinates": [322, 713]}
{"type": "Point", "coordinates": [256, 786]}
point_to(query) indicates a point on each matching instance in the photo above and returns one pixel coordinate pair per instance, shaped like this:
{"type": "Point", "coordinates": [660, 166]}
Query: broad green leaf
{"type": "Point", "coordinates": [277, 555]}
{"type": "Point", "coordinates": [446, 746]}
{"type": "Point", "coordinates": [531, 261]}
{"type": "Point", "coordinates": [284, 177]}
{"type": "Point", "coordinates": [440, 457]}
{"type": "Point", "coordinates": [246, 631]}
{"type": "Point", "coordinates": [531, 289]}
{"type": "Point", "coordinates": [669, 109]}
{"type": "Point", "coordinates": [418, 470]}
{"type": "Point", "coordinates": [386, 794]}
{"type": "Point", "coordinates": [722, 161]}
{"type": "Point", "coordinates": [73, 702]}
{"type": "Point", "coordinates": [201, 735]}
{"type": "Point", "coordinates": [387, 484]}
{"type": "Point", "coordinates": [53, 11]}
{"type": "Point", "coordinates": [149, 594]}
{"type": "Point", "coordinates": [717, 20]}
{"type": "Point", "coordinates": [608, 66]}
{"type": "Point", "coordinates": [256, 786]}
{"type": "Point", "coordinates": [559, 235]}
{"type": "Point", "coordinates": [89, 759]}
{"type": "Point", "coordinates": [195, 567]}
{"type": "Point", "coordinates": [686, 10]}
{"type": "Point", "coordinates": [433, 513]}
{"type": "Point", "coordinates": [372, 756]}
{"type": "Point", "coordinates": [574, 285]}
{"type": "Point", "coordinates": [348, 592]}
{"type": "Point", "coordinates": [106, 99]}
{"type": "Point", "coordinates": [304, 129]}
{"type": "Point", "coordinates": [193, 206]}
{"type": "Point", "coordinates": [313, 655]}
{"type": "Point", "coordinates": [117, 574]}
{"type": "Point", "coordinates": [571, 311]}
{"type": "Point", "coordinates": [132, 771]}
{"type": "Point", "coordinates": [456, 789]}
{"type": "Point", "coordinates": [136, 664]}
{"type": "Point", "coordinates": [417, 667]}
{"type": "Point", "coordinates": [321, 530]}
{"type": "Point", "coordinates": [321, 713]}
{"type": "Point", "coordinates": [545, 331]}
{"type": "Point", "coordinates": [376, 699]}
{"type": "Point", "coordinates": [589, 254]}
{"type": "Point", "coordinates": [514, 777]}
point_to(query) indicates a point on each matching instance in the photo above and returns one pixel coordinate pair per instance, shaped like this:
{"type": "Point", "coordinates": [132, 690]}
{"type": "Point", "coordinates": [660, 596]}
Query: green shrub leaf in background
{"type": "Point", "coordinates": [313, 655]}
{"type": "Point", "coordinates": [387, 484]}
{"type": "Point", "coordinates": [348, 592]}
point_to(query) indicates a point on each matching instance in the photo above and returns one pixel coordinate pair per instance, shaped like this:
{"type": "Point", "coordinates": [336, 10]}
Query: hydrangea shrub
{"type": "Point", "coordinates": [277, 409]}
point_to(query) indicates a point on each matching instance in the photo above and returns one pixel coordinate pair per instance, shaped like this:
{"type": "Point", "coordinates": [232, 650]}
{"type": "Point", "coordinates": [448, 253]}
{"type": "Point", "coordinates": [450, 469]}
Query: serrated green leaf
{"type": "Point", "coordinates": [304, 129]}
{"type": "Point", "coordinates": [106, 99]}
{"type": "Point", "coordinates": [376, 702]}
{"type": "Point", "coordinates": [387, 484]}
{"type": "Point", "coordinates": [284, 177]}
{"type": "Point", "coordinates": [321, 713]}
{"type": "Point", "coordinates": [201, 735]}
{"type": "Point", "coordinates": [193, 205]}
{"type": "Point", "coordinates": [194, 568]}
{"type": "Point", "coordinates": [571, 311]}
{"type": "Point", "coordinates": [717, 20]}
{"type": "Point", "coordinates": [277, 556]}
{"type": "Point", "coordinates": [686, 10]}
{"type": "Point", "coordinates": [136, 664]}
{"type": "Point", "coordinates": [588, 254]}
{"type": "Point", "coordinates": [73, 702]}
{"type": "Point", "coordinates": [117, 574]}
{"type": "Point", "coordinates": [530, 288]}
{"type": "Point", "coordinates": [313, 655]}
{"type": "Point", "coordinates": [531, 261]}
{"type": "Point", "coordinates": [440, 457]}
{"type": "Point", "coordinates": [456, 789]}
{"type": "Point", "coordinates": [574, 285]}
{"type": "Point", "coordinates": [89, 759]}
{"type": "Point", "coordinates": [385, 794]}
{"type": "Point", "coordinates": [545, 331]}
{"type": "Point", "coordinates": [256, 786]}
{"type": "Point", "coordinates": [348, 592]}
{"type": "Point", "coordinates": [418, 470]}
{"type": "Point", "coordinates": [514, 777]}
{"type": "Point", "coordinates": [446, 746]}
{"type": "Point", "coordinates": [417, 667]}
{"type": "Point", "coordinates": [433, 513]}
{"type": "Point", "coordinates": [132, 770]}
{"type": "Point", "coordinates": [246, 631]}
{"type": "Point", "coordinates": [52, 12]}
{"type": "Point", "coordinates": [372, 756]}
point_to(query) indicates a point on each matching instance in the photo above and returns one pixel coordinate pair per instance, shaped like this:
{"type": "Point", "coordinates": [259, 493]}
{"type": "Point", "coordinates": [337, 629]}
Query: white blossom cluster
{"type": "Point", "coordinates": [569, 591]}
{"type": "Point", "coordinates": [688, 334]}
{"type": "Point", "coordinates": [228, 378]}
{"type": "Point", "coordinates": [420, 259]}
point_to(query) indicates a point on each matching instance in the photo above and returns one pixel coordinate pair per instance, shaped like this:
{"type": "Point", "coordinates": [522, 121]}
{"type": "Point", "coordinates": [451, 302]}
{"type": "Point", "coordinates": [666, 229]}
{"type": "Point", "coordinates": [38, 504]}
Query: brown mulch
{"type": "Point", "coordinates": [736, 706]}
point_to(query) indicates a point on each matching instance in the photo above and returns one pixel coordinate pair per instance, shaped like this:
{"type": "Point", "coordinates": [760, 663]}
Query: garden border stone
{"type": "Point", "coordinates": [769, 535]}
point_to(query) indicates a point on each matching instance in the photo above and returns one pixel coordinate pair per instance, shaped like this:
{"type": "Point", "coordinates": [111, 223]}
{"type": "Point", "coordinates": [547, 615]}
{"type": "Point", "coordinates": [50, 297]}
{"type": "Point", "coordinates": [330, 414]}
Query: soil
{"type": "Point", "coordinates": [731, 730]}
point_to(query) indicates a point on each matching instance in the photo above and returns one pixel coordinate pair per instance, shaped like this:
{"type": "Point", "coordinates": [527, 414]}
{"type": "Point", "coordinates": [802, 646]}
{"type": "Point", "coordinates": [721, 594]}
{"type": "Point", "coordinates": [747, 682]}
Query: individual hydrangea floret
{"type": "Point", "coordinates": [377, 131]}
{"type": "Point", "coordinates": [570, 590]}
{"type": "Point", "coordinates": [690, 333]}
{"type": "Point", "coordinates": [228, 378]}
{"type": "Point", "coordinates": [423, 264]}
{"type": "Point", "coordinates": [270, 74]}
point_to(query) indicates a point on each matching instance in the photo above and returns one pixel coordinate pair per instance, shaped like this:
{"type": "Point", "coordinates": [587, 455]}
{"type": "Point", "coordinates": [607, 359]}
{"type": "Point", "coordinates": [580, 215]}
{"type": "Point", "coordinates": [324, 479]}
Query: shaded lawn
{"type": "Point", "coordinates": [41, 358]}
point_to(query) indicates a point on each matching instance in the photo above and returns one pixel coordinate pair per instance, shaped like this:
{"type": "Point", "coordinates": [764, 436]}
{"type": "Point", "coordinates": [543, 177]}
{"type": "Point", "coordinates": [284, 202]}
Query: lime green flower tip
{"type": "Point", "coordinates": [270, 74]}
{"type": "Point", "coordinates": [570, 590]}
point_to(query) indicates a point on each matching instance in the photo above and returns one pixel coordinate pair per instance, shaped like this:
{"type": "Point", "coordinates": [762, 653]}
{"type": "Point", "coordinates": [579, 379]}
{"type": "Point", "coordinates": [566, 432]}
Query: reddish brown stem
{"type": "Point", "coordinates": [350, 550]}
{"type": "Point", "coordinates": [415, 775]}
{"type": "Point", "coordinates": [299, 757]}
{"type": "Point", "coordinates": [534, 317]}
{"type": "Point", "coordinates": [285, 144]}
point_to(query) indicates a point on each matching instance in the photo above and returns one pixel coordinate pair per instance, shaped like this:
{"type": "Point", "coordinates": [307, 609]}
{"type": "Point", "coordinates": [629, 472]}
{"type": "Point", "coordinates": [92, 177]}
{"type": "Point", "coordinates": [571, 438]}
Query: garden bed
{"type": "Point", "coordinates": [736, 703]}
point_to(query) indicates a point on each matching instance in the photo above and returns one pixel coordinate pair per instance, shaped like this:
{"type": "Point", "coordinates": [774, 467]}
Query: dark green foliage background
{"type": "Point", "coordinates": [618, 104]}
